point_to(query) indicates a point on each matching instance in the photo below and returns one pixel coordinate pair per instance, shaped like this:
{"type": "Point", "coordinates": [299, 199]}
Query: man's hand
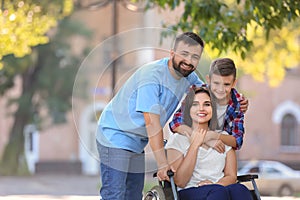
{"type": "Point", "coordinates": [162, 173]}
{"type": "Point", "coordinates": [244, 104]}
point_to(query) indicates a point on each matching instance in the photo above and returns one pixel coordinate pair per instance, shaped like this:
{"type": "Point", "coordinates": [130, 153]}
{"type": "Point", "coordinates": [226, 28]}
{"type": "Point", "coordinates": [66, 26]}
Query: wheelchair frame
{"type": "Point", "coordinates": [168, 190]}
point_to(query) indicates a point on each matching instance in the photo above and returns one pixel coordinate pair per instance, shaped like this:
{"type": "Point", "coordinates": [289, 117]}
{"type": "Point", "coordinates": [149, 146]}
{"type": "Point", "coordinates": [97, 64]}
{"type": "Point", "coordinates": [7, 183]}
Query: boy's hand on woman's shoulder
{"type": "Point", "coordinates": [244, 104]}
{"type": "Point", "coordinates": [219, 146]}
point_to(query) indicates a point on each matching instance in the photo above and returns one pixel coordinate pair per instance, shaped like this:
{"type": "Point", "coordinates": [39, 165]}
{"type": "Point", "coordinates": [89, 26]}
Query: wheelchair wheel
{"type": "Point", "coordinates": [156, 193]}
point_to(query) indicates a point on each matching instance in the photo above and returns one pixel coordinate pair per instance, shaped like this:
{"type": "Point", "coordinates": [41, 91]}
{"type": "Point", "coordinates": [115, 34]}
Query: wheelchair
{"type": "Point", "coordinates": [168, 190]}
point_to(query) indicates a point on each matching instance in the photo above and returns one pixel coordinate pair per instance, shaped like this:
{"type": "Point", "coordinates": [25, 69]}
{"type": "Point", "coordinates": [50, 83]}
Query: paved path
{"type": "Point", "coordinates": [49, 187]}
{"type": "Point", "coordinates": [59, 187]}
{"type": "Point", "coordinates": [58, 184]}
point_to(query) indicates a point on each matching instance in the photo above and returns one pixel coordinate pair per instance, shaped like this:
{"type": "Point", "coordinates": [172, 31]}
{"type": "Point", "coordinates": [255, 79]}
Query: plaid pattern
{"type": "Point", "coordinates": [233, 122]}
{"type": "Point", "coordinates": [234, 119]}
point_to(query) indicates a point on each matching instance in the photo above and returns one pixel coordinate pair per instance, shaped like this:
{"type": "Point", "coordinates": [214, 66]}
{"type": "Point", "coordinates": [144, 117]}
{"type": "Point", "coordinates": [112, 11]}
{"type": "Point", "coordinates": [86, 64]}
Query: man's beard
{"type": "Point", "coordinates": [181, 72]}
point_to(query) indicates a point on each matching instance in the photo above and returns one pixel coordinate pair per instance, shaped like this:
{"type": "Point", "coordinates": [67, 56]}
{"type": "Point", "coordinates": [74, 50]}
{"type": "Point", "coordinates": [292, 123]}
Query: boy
{"type": "Point", "coordinates": [230, 117]}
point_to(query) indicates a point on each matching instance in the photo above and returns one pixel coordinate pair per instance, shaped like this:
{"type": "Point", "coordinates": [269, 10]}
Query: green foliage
{"type": "Point", "coordinates": [223, 23]}
{"type": "Point", "coordinates": [261, 36]}
{"type": "Point", "coordinates": [56, 68]}
{"type": "Point", "coordinates": [24, 24]}
{"type": "Point", "coordinates": [269, 59]}
{"type": "Point", "coordinates": [43, 63]}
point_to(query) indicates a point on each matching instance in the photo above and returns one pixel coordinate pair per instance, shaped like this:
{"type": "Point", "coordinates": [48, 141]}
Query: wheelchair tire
{"type": "Point", "coordinates": [156, 193]}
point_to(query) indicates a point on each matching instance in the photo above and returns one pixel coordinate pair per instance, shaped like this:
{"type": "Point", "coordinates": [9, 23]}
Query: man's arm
{"type": "Point", "coordinates": [155, 135]}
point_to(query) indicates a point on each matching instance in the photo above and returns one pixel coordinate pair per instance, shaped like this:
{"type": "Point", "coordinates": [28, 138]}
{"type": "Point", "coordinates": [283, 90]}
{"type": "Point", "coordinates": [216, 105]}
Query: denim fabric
{"type": "Point", "coordinates": [216, 192]}
{"type": "Point", "coordinates": [239, 191]}
{"type": "Point", "coordinates": [206, 192]}
{"type": "Point", "coordinates": [122, 174]}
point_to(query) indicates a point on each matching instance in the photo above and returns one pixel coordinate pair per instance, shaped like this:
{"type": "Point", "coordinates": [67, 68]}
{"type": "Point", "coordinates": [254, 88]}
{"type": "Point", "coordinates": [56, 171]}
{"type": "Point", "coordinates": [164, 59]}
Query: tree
{"type": "Point", "coordinates": [268, 59]}
{"type": "Point", "coordinates": [47, 75]}
{"type": "Point", "coordinates": [25, 24]}
{"type": "Point", "coordinates": [239, 28]}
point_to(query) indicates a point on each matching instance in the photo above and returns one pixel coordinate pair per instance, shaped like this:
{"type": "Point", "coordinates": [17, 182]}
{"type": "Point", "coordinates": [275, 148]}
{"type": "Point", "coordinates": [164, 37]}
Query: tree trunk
{"type": "Point", "coordinates": [13, 160]}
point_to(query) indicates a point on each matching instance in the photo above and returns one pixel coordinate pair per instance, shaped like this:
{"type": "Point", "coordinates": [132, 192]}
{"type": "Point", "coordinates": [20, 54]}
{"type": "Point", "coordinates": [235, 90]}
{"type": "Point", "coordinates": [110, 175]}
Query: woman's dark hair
{"type": "Point", "coordinates": [189, 99]}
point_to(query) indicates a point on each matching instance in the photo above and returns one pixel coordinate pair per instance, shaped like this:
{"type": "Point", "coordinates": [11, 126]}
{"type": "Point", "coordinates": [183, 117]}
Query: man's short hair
{"type": "Point", "coordinates": [189, 38]}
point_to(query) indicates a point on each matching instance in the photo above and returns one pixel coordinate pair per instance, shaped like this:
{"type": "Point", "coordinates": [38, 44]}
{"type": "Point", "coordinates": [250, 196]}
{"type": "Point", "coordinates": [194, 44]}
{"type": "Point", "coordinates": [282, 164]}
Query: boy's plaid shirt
{"type": "Point", "coordinates": [233, 120]}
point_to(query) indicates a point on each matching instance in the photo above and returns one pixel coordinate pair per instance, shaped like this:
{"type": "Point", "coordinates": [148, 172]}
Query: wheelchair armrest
{"type": "Point", "coordinates": [247, 177]}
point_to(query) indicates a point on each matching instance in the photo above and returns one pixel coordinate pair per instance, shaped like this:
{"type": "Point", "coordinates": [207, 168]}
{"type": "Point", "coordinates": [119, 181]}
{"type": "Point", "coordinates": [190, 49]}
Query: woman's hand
{"type": "Point", "coordinates": [197, 137]}
{"type": "Point", "coordinates": [205, 182]}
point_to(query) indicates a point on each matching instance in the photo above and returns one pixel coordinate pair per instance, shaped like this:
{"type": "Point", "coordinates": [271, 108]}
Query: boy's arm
{"type": "Point", "coordinates": [237, 130]}
{"type": "Point", "coordinates": [234, 123]}
{"type": "Point", "coordinates": [244, 103]}
{"type": "Point", "coordinates": [176, 121]}
{"type": "Point", "coordinates": [218, 141]}
{"type": "Point", "coordinates": [229, 140]}
{"type": "Point", "coordinates": [177, 126]}
{"type": "Point", "coordinates": [235, 137]}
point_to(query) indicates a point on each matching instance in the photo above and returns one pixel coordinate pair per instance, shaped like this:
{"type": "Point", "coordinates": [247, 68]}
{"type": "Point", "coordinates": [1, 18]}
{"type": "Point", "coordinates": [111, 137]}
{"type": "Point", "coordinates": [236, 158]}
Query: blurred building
{"type": "Point", "coordinates": [272, 121]}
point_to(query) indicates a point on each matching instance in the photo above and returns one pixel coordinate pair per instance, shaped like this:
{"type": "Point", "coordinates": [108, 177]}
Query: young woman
{"type": "Point", "coordinates": [201, 173]}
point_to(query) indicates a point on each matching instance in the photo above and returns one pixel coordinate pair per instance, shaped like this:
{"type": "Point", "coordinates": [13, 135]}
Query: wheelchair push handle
{"type": "Point", "coordinates": [170, 173]}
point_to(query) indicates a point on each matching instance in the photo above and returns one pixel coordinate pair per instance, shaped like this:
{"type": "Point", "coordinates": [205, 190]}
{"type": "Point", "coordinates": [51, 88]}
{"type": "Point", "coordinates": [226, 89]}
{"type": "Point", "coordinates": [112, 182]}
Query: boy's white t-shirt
{"type": "Point", "coordinates": [209, 165]}
{"type": "Point", "coordinates": [221, 112]}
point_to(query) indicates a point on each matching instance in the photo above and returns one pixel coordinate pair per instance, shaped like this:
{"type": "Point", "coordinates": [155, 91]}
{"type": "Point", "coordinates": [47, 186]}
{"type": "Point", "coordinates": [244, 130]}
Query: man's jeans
{"type": "Point", "coordinates": [122, 173]}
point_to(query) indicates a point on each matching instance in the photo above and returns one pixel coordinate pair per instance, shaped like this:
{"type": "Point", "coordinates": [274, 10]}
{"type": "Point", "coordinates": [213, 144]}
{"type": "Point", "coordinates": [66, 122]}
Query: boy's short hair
{"type": "Point", "coordinates": [189, 38]}
{"type": "Point", "coordinates": [223, 67]}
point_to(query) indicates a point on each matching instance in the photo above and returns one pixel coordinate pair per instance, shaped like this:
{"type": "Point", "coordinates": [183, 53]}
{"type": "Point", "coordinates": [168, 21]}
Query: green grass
{"type": "Point", "coordinates": [149, 183]}
{"type": "Point", "coordinates": [148, 186]}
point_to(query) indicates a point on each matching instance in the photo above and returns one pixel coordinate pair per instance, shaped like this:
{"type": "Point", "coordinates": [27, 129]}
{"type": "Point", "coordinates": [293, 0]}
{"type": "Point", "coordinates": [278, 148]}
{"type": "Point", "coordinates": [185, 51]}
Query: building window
{"type": "Point", "coordinates": [289, 131]}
